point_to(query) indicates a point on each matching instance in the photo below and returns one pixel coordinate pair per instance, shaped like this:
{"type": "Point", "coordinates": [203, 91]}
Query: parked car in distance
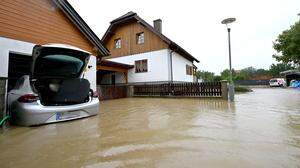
{"type": "Point", "coordinates": [55, 90]}
{"type": "Point", "coordinates": [277, 82]}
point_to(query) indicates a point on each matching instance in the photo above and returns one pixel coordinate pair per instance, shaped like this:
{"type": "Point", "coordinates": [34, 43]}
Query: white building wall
{"type": "Point", "coordinates": [15, 46]}
{"type": "Point", "coordinates": [179, 68]}
{"type": "Point", "coordinates": [157, 66]}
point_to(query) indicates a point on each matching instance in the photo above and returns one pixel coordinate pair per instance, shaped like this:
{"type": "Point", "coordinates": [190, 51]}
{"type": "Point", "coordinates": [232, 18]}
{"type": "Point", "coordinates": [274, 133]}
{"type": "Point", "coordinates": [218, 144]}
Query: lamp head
{"type": "Point", "coordinates": [228, 21]}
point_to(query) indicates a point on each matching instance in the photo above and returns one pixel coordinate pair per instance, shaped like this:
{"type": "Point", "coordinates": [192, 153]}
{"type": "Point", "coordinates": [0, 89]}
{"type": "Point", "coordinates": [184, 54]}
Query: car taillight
{"type": "Point", "coordinates": [28, 98]}
{"type": "Point", "coordinates": [95, 94]}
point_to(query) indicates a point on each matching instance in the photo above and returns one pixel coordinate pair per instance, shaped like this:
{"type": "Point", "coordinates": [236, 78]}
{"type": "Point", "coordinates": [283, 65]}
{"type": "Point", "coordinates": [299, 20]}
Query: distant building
{"type": "Point", "coordinates": [144, 54]}
{"type": "Point", "coordinates": [291, 75]}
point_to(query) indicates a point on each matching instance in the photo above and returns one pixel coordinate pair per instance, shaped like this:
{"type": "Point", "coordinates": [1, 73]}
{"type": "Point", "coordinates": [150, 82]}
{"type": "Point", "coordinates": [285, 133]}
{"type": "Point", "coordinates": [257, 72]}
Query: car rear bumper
{"type": "Point", "coordinates": [29, 114]}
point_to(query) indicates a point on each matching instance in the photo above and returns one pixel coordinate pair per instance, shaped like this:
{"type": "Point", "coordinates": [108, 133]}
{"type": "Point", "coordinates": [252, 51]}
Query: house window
{"type": "Point", "coordinates": [189, 70]}
{"type": "Point", "coordinates": [140, 38]}
{"type": "Point", "coordinates": [141, 66]}
{"type": "Point", "coordinates": [118, 43]}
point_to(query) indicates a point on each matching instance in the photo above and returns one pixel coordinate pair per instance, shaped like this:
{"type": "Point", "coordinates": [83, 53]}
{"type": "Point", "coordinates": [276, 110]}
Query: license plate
{"type": "Point", "coordinates": [66, 115]}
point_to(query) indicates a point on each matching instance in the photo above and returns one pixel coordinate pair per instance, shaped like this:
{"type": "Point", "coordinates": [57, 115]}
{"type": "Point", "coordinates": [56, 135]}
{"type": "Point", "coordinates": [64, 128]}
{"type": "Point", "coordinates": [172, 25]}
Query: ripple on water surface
{"type": "Point", "coordinates": [260, 129]}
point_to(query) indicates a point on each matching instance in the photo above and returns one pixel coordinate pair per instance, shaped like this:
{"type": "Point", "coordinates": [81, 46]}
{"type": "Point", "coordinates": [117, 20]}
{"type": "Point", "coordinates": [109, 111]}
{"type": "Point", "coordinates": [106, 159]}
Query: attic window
{"type": "Point", "coordinates": [118, 43]}
{"type": "Point", "coordinates": [140, 38]}
{"type": "Point", "coordinates": [141, 66]}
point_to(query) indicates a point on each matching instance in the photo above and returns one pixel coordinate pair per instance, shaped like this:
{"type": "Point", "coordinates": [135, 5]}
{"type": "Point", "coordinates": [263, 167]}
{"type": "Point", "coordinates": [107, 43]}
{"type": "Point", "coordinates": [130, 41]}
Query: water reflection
{"type": "Point", "coordinates": [260, 129]}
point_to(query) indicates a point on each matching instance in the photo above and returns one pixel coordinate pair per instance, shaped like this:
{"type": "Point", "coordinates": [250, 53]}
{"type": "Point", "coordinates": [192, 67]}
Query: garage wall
{"type": "Point", "coordinates": [2, 97]}
{"type": "Point", "coordinates": [6, 46]}
{"type": "Point", "coordinates": [90, 72]}
{"type": "Point", "coordinates": [9, 45]}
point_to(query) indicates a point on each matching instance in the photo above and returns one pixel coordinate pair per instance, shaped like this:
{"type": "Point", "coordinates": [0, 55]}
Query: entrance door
{"type": "Point", "coordinates": [18, 66]}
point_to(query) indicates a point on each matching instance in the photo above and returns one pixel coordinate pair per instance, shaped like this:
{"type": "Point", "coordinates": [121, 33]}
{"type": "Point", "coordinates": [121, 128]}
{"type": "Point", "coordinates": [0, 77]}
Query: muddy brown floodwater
{"type": "Point", "coordinates": [260, 129]}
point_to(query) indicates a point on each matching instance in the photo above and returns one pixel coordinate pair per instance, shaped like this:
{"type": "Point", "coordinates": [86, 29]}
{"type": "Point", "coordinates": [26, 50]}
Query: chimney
{"type": "Point", "coordinates": [157, 25]}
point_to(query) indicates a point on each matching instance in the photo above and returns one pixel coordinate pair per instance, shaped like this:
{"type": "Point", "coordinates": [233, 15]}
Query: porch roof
{"type": "Point", "coordinates": [113, 66]}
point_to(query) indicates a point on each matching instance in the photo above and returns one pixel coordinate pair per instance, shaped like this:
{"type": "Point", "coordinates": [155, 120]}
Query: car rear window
{"type": "Point", "coordinates": [59, 65]}
{"type": "Point", "coordinates": [56, 62]}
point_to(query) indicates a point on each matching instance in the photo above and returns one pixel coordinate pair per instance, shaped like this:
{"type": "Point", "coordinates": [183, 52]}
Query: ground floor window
{"type": "Point", "coordinates": [141, 66]}
{"type": "Point", "coordinates": [189, 70]}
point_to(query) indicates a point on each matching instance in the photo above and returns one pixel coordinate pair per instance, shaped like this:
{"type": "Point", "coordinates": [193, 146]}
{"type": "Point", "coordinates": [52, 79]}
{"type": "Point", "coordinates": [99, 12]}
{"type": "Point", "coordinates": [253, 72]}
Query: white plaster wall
{"type": "Point", "coordinates": [157, 66]}
{"type": "Point", "coordinates": [10, 45]}
{"type": "Point", "coordinates": [179, 68]}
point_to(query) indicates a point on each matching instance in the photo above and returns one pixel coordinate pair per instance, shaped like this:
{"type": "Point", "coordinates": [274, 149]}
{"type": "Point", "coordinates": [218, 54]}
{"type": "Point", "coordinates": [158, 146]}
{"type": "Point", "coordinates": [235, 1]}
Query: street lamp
{"type": "Point", "coordinates": [227, 22]}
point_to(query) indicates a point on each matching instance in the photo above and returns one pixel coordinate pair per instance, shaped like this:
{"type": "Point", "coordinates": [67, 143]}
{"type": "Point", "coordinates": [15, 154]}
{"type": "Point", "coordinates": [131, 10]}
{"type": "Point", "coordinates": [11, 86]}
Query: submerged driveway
{"type": "Point", "coordinates": [260, 129]}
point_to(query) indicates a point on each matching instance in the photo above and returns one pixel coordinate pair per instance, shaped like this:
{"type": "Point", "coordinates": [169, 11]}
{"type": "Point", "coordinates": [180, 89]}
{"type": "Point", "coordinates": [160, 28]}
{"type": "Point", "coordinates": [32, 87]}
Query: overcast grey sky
{"type": "Point", "coordinates": [195, 25]}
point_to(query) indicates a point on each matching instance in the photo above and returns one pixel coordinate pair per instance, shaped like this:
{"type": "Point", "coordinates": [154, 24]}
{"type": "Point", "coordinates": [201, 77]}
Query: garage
{"type": "Point", "coordinates": [21, 30]}
{"type": "Point", "coordinates": [18, 66]}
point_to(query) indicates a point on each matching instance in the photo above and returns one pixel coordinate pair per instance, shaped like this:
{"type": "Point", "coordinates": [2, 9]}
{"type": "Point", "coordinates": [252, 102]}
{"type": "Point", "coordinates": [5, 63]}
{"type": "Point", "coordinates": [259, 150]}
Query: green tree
{"type": "Point", "coordinates": [225, 74]}
{"type": "Point", "coordinates": [275, 69]}
{"type": "Point", "coordinates": [242, 75]}
{"type": "Point", "coordinates": [217, 78]}
{"type": "Point", "coordinates": [287, 45]}
{"type": "Point", "coordinates": [262, 72]}
{"type": "Point", "coordinates": [205, 76]}
{"type": "Point", "coordinates": [248, 72]}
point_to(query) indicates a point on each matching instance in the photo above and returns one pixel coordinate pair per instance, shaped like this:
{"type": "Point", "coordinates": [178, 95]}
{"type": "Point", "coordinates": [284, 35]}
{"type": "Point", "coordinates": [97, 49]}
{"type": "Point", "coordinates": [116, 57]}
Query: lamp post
{"type": "Point", "coordinates": [227, 22]}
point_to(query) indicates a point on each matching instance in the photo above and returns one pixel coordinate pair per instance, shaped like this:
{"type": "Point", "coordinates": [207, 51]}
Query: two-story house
{"type": "Point", "coordinates": [148, 55]}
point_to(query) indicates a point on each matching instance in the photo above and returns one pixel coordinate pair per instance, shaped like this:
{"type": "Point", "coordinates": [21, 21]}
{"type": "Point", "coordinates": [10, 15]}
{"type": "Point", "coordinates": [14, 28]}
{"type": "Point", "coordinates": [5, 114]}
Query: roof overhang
{"type": "Point", "coordinates": [82, 26]}
{"type": "Point", "coordinates": [113, 66]}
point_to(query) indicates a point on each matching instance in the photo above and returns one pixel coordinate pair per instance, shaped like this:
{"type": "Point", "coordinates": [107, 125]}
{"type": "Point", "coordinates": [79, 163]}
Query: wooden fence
{"type": "Point", "coordinates": [107, 92]}
{"type": "Point", "coordinates": [204, 89]}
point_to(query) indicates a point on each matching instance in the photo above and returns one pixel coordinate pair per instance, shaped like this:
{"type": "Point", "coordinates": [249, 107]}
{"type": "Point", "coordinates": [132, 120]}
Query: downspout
{"type": "Point", "coordinates": [171, 66]}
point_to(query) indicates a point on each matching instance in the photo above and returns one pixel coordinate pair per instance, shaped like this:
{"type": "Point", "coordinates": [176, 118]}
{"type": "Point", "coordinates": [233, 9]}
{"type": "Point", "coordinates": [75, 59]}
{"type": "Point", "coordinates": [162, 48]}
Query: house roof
{"type": "Point", "coordinates": [66, 7]}
{"type": "Point", "coordinates": [290, 72]}
{"type": "Point", "coordinates": [131, 16]}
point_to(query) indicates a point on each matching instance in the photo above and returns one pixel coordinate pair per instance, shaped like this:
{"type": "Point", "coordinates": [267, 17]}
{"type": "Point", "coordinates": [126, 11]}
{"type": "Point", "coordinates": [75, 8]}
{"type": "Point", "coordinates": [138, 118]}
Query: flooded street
{"type": "Point", "coordinates": [260, 129]}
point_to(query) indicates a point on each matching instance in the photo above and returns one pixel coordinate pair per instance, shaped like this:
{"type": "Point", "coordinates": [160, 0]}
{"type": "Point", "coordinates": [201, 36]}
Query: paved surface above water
{"type": "Point", "coordinates": [260, 129]}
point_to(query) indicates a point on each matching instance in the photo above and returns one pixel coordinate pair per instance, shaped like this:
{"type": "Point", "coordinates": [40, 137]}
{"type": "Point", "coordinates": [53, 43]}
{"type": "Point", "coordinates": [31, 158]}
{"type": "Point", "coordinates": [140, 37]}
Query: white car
{"type": "Point", "coordinates": [55, 90]}
{"type": "Point", "coordinates": [277, 82]}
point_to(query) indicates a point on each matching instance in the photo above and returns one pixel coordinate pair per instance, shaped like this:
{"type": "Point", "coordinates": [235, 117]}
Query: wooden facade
{"type": "Point", "coordinates": [40, 22]}
{"type": "Point", "coordinates": [127, 33]}
{"type": "Point", "coordinates": [107, 92]}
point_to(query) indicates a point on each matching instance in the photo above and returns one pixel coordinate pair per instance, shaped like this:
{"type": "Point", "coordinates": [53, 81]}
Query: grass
{"type": "Point", "coordinates": [242, 89]}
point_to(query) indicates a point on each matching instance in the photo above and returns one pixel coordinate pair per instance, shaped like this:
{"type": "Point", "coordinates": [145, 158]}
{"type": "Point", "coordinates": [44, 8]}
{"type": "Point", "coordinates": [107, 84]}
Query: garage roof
{"type": "Point", "coordinates": [66, 7]}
